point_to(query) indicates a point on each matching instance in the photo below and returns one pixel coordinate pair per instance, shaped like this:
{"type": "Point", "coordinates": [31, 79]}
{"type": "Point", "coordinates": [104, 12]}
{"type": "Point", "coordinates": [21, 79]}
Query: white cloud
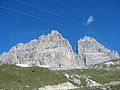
{"type": "Point", "coordinates": [90, 20]}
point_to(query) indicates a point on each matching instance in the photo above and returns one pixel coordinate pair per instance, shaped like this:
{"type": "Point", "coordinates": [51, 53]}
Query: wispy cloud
{"type": "Point", "coordinates": [89, 20]}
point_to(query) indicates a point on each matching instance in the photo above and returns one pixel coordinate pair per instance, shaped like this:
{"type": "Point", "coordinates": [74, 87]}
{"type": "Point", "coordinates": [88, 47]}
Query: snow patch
{"type": "Point", "coordinates": [23, 65]}
{"type": "Point", "coordinates": [44, 66]}
{"type": "Point", "coordinates": [109, 63]}
{"type": "Point", "coordinates": [63, 86]}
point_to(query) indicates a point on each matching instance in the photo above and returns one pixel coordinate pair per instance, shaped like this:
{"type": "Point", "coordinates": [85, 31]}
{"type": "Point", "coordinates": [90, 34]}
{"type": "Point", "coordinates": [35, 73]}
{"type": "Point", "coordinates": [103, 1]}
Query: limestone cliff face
{"type": "Point", "coordinates": [55, 51]}
{"type": "Point", "coordinates": [92, 52]}
{"type": "Point", "coordinates": [51, 50]}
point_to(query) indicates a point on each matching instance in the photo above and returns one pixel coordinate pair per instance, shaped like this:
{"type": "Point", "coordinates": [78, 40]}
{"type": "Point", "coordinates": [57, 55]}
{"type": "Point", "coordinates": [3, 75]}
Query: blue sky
{"type": "Point", "coordinates": [24, 20]}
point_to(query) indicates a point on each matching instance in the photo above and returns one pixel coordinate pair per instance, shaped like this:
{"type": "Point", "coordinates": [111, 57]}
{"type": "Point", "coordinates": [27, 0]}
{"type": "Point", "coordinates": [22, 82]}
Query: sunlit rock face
{"type": "Point", "coordinates": [92, 52]}
{"type": "Point", "coordinates": [53, 50]}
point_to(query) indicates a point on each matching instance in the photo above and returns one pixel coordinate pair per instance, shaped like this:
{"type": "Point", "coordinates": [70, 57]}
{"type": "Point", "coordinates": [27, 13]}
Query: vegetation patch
{"type": "Point", "coordinates": [14, 77]}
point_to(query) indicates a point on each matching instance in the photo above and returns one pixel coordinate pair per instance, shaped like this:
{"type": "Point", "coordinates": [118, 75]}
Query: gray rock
{"type": "Point", "coordinates": [73, 79]}
{"type": "Point", "coordinates": [51, 50]}
{"type": "Point", "coordinates": [55, 51]}
{"type": "Point", "coordinates": [92, 52]}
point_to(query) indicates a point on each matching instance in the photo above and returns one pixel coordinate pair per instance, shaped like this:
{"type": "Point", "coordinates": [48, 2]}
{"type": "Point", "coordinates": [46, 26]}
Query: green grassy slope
{"type": "Point", "coordinates": [102, 74]}
{"type": "Point", "coordinates": [13, 77]}
{"type": "Point", "coordinates": [114, 66]}
{"type": "Point", "coordinates": [17, 78]}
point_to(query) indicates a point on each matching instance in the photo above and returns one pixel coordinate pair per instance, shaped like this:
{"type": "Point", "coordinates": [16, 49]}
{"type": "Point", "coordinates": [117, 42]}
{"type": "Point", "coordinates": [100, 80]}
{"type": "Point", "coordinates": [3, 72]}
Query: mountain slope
{"type": "Point", "coordinates": [32, 78]}
{"type": "Point", "coordinates": [98, 77]}
{"type": "Point", "coordinates": [17, 78]}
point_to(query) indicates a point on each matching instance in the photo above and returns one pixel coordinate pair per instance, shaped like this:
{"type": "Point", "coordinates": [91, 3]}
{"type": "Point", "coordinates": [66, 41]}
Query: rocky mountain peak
{"type": "Point", "coordinates": [54, 50]}
{"type": "Point", "coordinates": [90, 44]}
{"type": "Point", "coordinates": [55, 33]}
{"type": "Point", "coordinates": [54, 39]}
{"type": "Point", "coordinates": [52, 34]}
{"type": "Point", "coordinates": [92, 52]}
{"type": "Point", "coordinates": [87, 38]}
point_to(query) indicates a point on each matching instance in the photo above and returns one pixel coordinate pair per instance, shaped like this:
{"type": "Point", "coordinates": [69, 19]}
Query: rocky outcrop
{"type": "Point", "coordinates": [92, 52]}
{"type": "Point", "coordinates": [53, 50]}
{"type": "Point", "coordinates": [73, 79]}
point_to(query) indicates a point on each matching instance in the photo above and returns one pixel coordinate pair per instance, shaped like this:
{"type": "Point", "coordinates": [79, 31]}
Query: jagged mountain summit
{"type": "Point", "coordinates": [53, 50]}
{"type": "Point", "coordinates": [92, 52]}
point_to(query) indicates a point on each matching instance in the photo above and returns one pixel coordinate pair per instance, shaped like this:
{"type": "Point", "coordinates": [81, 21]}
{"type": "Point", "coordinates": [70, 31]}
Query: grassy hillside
{"type": "Point", "coordinates": [13, 77]}
{"type": "Point", "coordinates": [100, 76]}
{"type": "Point", "coordinates": [113, 65]}
{"type": "Point", "coordinates": [101, 73]}
{"type": "Point", "coordinates": [17, 78]}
